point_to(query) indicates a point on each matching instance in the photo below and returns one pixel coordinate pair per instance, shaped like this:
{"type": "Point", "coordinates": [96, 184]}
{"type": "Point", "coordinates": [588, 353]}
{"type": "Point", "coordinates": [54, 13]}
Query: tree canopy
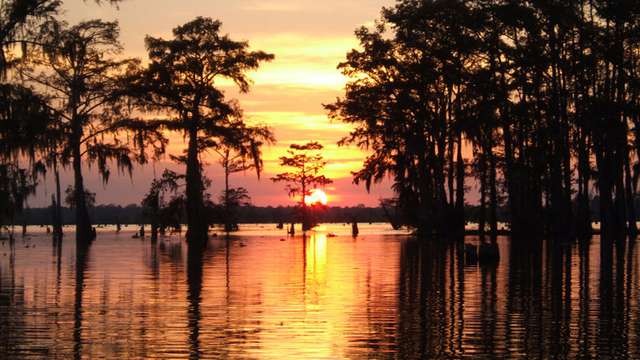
{"type": "Point", "coordinates": [180, 84]}
{"type": "Point", "coordinates": [542, 92]}
{"type": "Point", "coordinates": [85, 88]}
{"type": "Point", "coordinates": [307, 164]}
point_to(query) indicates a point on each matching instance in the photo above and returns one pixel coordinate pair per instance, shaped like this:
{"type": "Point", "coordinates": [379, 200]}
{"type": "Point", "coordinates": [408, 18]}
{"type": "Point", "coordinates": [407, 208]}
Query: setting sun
{"type": "Point", "coordinates": [316, 197]}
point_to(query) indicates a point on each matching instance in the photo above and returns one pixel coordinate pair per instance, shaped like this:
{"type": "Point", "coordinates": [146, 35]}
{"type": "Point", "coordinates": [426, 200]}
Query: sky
{"type": "Point", "coordinates": [308, 38]}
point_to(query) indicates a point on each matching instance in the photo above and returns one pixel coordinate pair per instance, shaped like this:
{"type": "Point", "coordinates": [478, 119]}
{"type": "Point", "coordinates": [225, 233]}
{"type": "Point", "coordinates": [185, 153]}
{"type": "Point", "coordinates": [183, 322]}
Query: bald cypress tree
{"type": "Point", "coordinates": [543, 92]}
{"type": "Point", "coordinates": [240, 155]}
{"type": "Point", "coordinates": [180, 82]}
{"type": "Point", "coordinates": [406, 102]}
{"type": "Point", "coordinates": [25, 25]}
{"type": "Point", "coordinates": [306, 164]}
{"type": "Point", "coordinates": [86, 89]}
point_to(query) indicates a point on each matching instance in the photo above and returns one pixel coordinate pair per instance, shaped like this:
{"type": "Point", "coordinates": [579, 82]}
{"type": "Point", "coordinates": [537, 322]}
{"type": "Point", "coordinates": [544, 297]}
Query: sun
{"type": "Point", "coordinates": [317, 197]}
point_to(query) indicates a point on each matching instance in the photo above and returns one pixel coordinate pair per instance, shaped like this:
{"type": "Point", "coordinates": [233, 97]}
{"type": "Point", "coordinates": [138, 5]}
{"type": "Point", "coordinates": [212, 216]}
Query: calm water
{"type": "Point", "coordinates": [382, 295]}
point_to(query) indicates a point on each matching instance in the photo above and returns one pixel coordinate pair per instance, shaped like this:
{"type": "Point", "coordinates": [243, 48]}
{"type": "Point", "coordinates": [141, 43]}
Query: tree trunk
{"type": "Point", "coordinates": [228, 226]}
{"type": "Point", "coordinates": [583, 218]}
{"type": "Point", "coordinates": [305, 220]}
{"type": "Point", "coordinates": [54, 220]}
{"type": "Point", "coordinates": [155, 218]}
{"type": "Point", "coordinates": [197, 228]}
{"type": "Point", "coordinates": [493, 198]}
{"type": "Point", "coordinates": [84, 231]}
{"type": "Point", "coordinates": [57, 206]}
{"type": "Point", "coordinates": [630, 195]}
{"type": "Point", "coordinates": [460, 176]}
{"type": "Point", "coordinates": [510, 177]}
{"type": "Point", "coordinates": [620, 204]}
{"type": "Point", "coordinates": [154, 231]}
{"type": "Point", "coordinates": [483, 197]}
{"type": "Point", "coordinates": [606, 199]}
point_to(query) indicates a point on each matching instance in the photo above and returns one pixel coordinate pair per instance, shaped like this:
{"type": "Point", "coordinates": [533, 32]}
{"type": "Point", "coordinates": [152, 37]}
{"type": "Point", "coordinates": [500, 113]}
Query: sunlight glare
{"type": "Point", "coordinates": [316, 197]}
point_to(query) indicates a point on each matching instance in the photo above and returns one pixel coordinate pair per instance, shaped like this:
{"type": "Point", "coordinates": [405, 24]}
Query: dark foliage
{"type": "Point", "coordinates": [163, 206]}
{"type": "Point", "coordinates": [180, 84]}
{"type": "Point", "coordinates": [545, 93]}
{"type": "Point", "coordinates": [307, 164]}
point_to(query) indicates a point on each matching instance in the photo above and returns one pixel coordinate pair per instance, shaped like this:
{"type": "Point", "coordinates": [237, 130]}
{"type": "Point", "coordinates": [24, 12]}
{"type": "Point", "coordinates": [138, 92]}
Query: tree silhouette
{"type": "Point", "coordinates": [23, 122]}
{"type": "Point", "coordinates": [180, 82]}
{"type": "Point", "coordinates": [85, 88]}
{"type": "Point", "coordinates": [22, 22]}
{"type": "Point", "coordinates": [23, 118]}
{"type": "Point", "coordinates": [307, 164]}
{"type": "Point", "coordinates": [25, 24]}
{"type": "Point", "coordinates": [16, 185]}
{"type": "Point", "coordinates": [406, 102]}
{"type": "Point", "coordinates": [544, 93]}
{"type": "Point", "coordinates": [159, 210]}
{"type": "Point", "coordinates": [236, 157]}
{"type": "Point", "coordinates": [70, 198]}
{"type": "Point", "coordinates": [232, 199]}
{"type": "Point", "coordinates": [30, 137]}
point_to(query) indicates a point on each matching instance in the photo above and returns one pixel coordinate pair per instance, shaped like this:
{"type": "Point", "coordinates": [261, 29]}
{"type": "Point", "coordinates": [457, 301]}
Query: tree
{"type": "Point", "coordinates": [161, 211]}
{"type": "Point", "coordinates": [16, 185]}
{"type": "Point", "coordinates": [30, 139]}
{"type": "Point", "coordinates": [236, 157]}
{"type": "Point", "coordinates": [307, 164]}
{"type": "Point", "coordinates": [406, 103]}
{"type": "Point", "coordinates": [232, 199]}
{"type": "Point", "coordinates": [18, 18]}
{"type": "Point", "coordinates": [31, 136]}
{"type": "Point", "coordinates": [86, 87]}
{"type": "Point", "coordinates": [544, 92]}
{"type": "Point", "coordinates": [180, 82]}
{"type": "Point", "coordinates": [23, 24]}
{"type": "Point", "coordinates": [70, 198]}
{"type": "Point", "coordinates": [23, 122]}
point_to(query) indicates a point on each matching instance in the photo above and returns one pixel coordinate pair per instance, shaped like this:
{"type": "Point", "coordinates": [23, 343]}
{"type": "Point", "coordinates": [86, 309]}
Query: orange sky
{"type": "Point", "coordinates": [309, 39]}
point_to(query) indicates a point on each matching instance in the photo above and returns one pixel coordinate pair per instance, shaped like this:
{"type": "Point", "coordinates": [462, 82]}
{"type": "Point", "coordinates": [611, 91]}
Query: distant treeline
{"type": "Point", "coordinates": [132, 214]}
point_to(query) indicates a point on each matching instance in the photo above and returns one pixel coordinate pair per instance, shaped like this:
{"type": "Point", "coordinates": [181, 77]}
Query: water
{"type": "Point", "coordinates": [382, 295]}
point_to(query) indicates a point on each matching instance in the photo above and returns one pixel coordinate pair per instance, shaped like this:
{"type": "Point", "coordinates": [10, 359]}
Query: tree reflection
{"type": "Point", "coordinates": [524, 298]}
{"type": "Point", "coordinates": [558, 271]}
{"type": "Point", "coordinates": [422, 321]}
{"type": "Point", "coordinates": [82, 259]}
{"type": "Point", "coordinates": [9, 330]}
{"type": "Point", "coordinates": [488, 307]}
{"type": "Point", "coordinates": [194, 296]}
{"type": "Point", "coordinates": [584, 330]}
